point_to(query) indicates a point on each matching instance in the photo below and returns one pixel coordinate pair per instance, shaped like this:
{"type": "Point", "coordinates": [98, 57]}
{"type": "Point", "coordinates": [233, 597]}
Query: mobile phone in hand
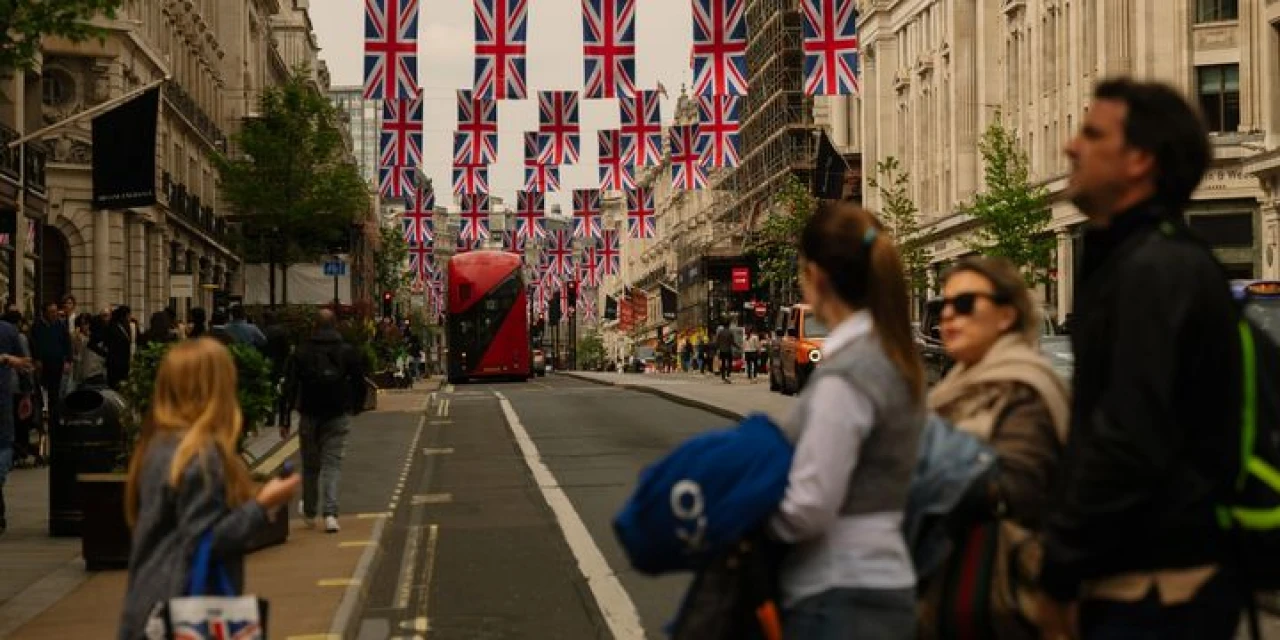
{"type": "Point", "coordinates": [286, 470]}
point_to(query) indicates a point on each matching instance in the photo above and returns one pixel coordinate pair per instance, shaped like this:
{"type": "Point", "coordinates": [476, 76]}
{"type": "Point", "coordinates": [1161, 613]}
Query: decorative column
{"type": "Point", "coordinates": [1066, 274]}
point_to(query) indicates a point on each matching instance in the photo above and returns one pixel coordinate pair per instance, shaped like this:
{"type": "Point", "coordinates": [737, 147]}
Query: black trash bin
{"type": "Point", "coordinates": [89, 440]}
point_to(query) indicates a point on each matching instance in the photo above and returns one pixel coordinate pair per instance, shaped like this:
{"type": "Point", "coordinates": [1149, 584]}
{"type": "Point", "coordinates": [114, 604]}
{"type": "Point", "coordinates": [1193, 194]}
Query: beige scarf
{"type": "Point", "coordinates": [972, 397]}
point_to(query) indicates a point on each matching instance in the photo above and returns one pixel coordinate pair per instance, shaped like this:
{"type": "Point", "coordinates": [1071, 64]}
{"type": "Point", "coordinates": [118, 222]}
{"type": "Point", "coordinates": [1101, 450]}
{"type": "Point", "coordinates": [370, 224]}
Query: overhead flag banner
{"type": "Point", "coordinates": [642, 128]}
{"type": "Point", "coordinates": [609, 47]}
{"type": "Point", "coordinates": [501, 27]}
{"type": "Point", "coordinates": [402, 132]}
{"type": "Point", "coordinates": [686, 165]}
{"type": "Point", "coordinates": [614, 164]}
{"type": "Point", "coordinates": [421, 262]}
{"type": "Point", "coordinates": [470, 180]}
{"type": "Point", "coordinates": [558, 120]}
{"type": "Point", "coordinates": [539, 177]}
{"type": "Point", "coordinates": [390, 49]}
{"type": "Point", "coordinates": [590, 270]}
{"type": "Point", "coordinates": [396, 182]}
{"type": "Point", "coordinates": [476, 141]}
{"type": "Point", "coordinates": [474, 228]}
{"type": "Point", "coordinates": [418, 227]}
{"type": "Point", "coordinates": [719, 48]}
{"type": "Point", "coordinates": [530, 215]}
{"type": "Point", "coordinates": [830, 48]}
{"type": "Point", "coordinates": [124, 153]}
{"type": "Point", "coordinates": [586, 213]}
{"type": "Point", "coordinates": [718, 130]}
{"type": "Point", "coordinates": [611, 252]}
{"type": "Point", "coordinates": [559, 250]}
{"type": "Point", "coordinates": [640, 215]}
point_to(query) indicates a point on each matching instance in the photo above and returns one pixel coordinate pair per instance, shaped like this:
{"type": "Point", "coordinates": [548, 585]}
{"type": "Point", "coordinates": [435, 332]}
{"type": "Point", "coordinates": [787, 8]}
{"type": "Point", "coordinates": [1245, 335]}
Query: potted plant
{"type": "Point", "coordinates": [105, 535]}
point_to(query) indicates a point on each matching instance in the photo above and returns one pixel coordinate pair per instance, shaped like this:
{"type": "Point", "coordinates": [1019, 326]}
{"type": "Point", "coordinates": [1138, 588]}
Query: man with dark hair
{"type": "Point", "coordinates": [1133, 534]}
{"type": "Point", "coordinates": [51, 350]}
{"type": "Point", "coordinates": [243, 332]}
{"type": "Point", "coordinates": [326, 376]}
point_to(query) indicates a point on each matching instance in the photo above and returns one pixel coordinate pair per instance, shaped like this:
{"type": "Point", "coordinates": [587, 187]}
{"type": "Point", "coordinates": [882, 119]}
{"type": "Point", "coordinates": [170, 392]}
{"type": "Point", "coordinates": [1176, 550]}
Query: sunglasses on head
{"type": "Point", "coordinates": [965, 303]}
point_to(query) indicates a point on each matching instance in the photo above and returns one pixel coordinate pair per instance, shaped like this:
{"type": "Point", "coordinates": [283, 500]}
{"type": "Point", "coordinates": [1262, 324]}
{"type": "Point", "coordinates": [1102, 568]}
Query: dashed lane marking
{"type": "Point", "coordinates": [338, 582]}
{"type": "Point", "coordinates": [370, 516]}
{"type": "Point", "coordinates": [615, 604]}
{"type": "Point", "coordinates": [441, 422]}
{"type": "Point", "coordinates": [356, 543]}
{"type": "Point", "coordinates": [408, 562]}
{"type": "Point", "coordinates": [433, 498]}
{"type": "Point", "coordinates": [424, 601]}
{"type": "Point", "coordinates": [437, 451]}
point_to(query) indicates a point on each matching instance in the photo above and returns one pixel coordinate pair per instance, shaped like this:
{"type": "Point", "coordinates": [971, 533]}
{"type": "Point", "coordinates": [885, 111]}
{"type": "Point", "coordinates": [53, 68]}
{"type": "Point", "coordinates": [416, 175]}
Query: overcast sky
{"type": "Point", "coordinates": [446, 37]}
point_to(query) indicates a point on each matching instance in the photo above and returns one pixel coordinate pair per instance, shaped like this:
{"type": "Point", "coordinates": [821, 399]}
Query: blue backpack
{"type": "Point", "coordinates": [704, 496]}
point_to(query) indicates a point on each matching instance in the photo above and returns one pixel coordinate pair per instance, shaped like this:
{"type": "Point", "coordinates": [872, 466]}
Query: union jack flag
{"type": "Point", "coordinates": [586, 213]}
{"type": "Point", "coordinates": [615, 166]}
{"type": "Point", "coordinates": [609, 47]}
{"type": "Point", "coordinates": [470, 179]}
{"type": "Point", "coordinates": [610, 251]}
{"type": "Point", "coordinates": [642, 128]}
{"type": "Point", "coordinates": [390, 49]}
{"type": "Point", "coordinates": [587, 306]}
{"type": "Point", "coordinates": [719, 48]}
{"type": "Point", "coordinates": [541, 178]}
{"type": "Point", "coordinates": [395, 182]}
{"type": "Point", "coordinates": [475, 219]}
{"type": "Point", "coordinates": [591, 266]}
{"type": "Point", "coordinates": [718, 130]}
{"type": "Point", "coordinates": [476, 141]}
{"type": "Point", "coordinates": [402, 132]}
{"type": "Point", "coordinates": [830, 48]}
{"type": "Point", "coordinates": [559, 252]}
{"type": "Point", "coordinates": [530, 215]}
{"type": "Point", "coordinates": [500, 48]}
{"type": "Point", "coordinates": [216, 627]}
{"type": "Point", "coordinates": [421, 262]}
{"type": "Point", "coordinates": [686, 170]}
{"type": "Point", "coordinates": [558, 119]}
{"type": "Point", "coordinates": [418, 227]}
{"type": "Point", "coordinates": [640, 214]}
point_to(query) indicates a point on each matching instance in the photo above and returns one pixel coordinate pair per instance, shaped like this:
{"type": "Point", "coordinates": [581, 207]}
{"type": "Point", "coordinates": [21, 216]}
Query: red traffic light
{"type": "Point", "coordinates": [386, 295]}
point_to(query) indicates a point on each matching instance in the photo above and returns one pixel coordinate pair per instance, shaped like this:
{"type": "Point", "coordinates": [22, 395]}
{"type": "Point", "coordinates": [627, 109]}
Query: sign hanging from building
{"type": "Point", "coordinates": [740, 279]}
{"type": "Point", "coordinates": [670, 303]}
{"type": "Point", "coordinates": [124, 154]}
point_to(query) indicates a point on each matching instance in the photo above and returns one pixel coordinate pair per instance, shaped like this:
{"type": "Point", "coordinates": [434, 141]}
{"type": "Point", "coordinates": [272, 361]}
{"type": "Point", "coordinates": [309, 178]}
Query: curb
{"type": "Point", "coordinates": [662, 393]}
{"type": "Point", "coordinates": [346, 621]}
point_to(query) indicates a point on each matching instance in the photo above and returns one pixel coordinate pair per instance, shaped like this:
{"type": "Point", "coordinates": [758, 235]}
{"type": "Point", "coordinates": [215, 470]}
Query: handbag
{"type": "Point", "coordinates": [217, 616]}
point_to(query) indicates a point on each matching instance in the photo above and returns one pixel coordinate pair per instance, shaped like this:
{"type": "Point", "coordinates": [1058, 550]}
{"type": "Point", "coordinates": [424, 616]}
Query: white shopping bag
{"type": "Point", "coordinates": [220, 616]}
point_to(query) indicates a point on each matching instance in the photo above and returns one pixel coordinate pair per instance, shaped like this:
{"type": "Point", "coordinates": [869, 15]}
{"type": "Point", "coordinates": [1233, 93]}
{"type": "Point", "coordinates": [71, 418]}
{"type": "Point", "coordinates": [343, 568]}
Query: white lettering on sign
{"type": "Point", "coordinates": [688, 507]}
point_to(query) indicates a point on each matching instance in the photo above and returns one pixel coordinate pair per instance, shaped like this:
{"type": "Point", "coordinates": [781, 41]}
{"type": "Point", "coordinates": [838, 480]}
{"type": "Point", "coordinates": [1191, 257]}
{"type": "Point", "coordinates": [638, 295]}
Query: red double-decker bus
{"type": "Point", "coordinates": [488, 327]}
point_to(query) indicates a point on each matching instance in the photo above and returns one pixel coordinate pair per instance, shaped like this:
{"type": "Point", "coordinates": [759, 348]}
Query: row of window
{"type": "Point", "coordinates": [1217, 10]}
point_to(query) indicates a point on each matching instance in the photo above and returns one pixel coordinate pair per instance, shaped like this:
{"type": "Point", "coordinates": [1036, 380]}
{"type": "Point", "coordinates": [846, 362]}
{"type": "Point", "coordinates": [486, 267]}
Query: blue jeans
{"type": "Point", "coordinates": [322, 442]}
{"type": "Point", "coordinates": [843, 613]}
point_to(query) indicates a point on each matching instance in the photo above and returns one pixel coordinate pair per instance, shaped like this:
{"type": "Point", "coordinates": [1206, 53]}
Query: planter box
{"type": "Point", "coordinates": [104, 536]}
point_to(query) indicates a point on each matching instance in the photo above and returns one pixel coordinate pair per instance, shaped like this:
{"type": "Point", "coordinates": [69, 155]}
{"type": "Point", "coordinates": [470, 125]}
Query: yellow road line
{"type": "Point", "coordinates": [337, 582]}
{"type": "Point", "coordinates": [356, 543]}
{"type": "Point", "coordinates": [371, 516]}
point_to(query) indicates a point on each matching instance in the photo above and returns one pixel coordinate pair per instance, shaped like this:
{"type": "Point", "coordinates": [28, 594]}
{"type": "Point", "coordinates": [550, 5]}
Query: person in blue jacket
{"type": "Point", "coordinates": [848, 572]}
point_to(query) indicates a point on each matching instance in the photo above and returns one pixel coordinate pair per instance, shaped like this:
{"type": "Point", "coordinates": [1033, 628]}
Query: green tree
{"type": "Point", "coordinates": [291, 179]}
{"type": "Point", "coordinates": [901, 215]}
{"type": "Point", "coordinates": [1012, 213]}
{"type": "Point", "coordinates": [591, 351]}
{"type": "Point", "coordinates": [389, 261]}
{"type": "Point", "coordinates": [776, 246]}
{"type": "Point", "coordinates": [23, 22]}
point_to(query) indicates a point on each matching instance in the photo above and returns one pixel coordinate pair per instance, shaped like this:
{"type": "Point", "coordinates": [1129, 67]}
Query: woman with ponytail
{"type": "Point", "coordinates": [848, 573]}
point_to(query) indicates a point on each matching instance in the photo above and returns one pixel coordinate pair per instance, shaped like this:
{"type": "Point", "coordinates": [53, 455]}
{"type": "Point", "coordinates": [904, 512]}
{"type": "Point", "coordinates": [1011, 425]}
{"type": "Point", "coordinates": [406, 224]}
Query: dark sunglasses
{"type": "Point", "coordinates": [964, 303]}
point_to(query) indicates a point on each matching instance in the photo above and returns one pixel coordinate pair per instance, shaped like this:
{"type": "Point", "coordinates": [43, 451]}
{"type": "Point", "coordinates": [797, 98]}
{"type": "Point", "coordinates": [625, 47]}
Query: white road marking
{"type": "Point", "coordinates": [424, 601]}
{"type": "Point", "coordinates": [442, 409]}
{"type": "Point", "coordinates": [437, 451]}
{"type": "Point", "coordinates": [615, 604]}
{"type": "Point", "coordinates": [408, 562]}
{"type": "Point", "coordinates": [433, 498]}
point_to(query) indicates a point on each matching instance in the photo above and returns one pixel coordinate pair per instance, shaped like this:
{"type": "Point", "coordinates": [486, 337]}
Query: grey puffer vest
{"type": "Point", "coordinates": [888, 455]}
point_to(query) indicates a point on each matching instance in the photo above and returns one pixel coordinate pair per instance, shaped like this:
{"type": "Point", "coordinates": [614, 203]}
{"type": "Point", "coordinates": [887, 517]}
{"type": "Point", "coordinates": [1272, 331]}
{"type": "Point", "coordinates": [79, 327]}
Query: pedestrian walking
{"type": "Point", "coordinates": [119, 343]}
{"type": "Point", "coordinates": [1002, 391]}
{"type": "Point", "coordinates": [724, 348]}
{"type": "Point", "coordinates": [198, 317]}
{"type": "Point", "coordinates": [1133, 538]}
{"type": "Point", "coordinates": [51, 351]}
{"type": "Point", "coordinates": [11, 359]}
{"type": "Point", "coordinates": [326, 376]}
{"type": "Point", "coordinates": [686, 355]}
{"type": "Point", "coordinates": [243, 332]}
{"type": "Point", "coordinates": [848, 573]}
{"type": "Point", "coordinates": [751, 352]}
{"type": "Point", "coordinates": [277, 352]}
{"type": "Point", "coordinates": [186, 480]}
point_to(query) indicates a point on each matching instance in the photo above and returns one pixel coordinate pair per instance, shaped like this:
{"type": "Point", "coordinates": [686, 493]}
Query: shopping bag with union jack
{"type": "Point", "coordinates": [200, 615]}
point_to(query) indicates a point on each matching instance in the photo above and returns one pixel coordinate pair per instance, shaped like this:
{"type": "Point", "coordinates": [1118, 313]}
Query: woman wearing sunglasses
{"type": "Point", "coordinates": [848, 573]}
{"type": "Point", "coordinates": [1003, 391]}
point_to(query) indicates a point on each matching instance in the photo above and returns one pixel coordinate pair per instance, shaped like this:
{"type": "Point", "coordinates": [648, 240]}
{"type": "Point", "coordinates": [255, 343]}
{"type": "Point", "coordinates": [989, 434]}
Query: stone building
{"type": "Point", "coordinates": [935, 73]}
{"type": "Point", "coordinates": [218, 56]}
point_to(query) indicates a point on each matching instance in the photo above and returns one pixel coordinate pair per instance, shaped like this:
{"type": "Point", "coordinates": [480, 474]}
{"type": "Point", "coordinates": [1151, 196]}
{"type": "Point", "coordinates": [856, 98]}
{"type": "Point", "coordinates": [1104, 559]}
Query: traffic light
{"type": "Point", "coordinates": [386, 304]}
{"type": "Point", "coordinates": [573, 295]}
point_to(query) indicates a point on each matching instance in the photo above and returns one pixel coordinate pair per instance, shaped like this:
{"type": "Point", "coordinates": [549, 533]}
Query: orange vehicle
{"type": "Point", "coordinates": [801, 347]}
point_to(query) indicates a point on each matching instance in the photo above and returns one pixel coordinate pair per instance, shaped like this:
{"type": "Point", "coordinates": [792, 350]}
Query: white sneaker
{"type": "Point", "coordinates": [309, 523]}
{"type": "Point", "coordinates": [331, 524]}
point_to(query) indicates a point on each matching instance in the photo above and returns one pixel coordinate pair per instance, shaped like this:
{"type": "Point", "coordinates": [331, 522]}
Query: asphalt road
{"type": "Point", "coordinates": [472, 549]}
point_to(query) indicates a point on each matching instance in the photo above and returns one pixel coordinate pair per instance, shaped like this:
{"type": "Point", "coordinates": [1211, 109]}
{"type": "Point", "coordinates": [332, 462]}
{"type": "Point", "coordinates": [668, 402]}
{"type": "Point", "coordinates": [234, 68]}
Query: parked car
{"type": "Point", "coordinates": [539, 362]}
{"type": "Point", "coordinates": [800, 349]}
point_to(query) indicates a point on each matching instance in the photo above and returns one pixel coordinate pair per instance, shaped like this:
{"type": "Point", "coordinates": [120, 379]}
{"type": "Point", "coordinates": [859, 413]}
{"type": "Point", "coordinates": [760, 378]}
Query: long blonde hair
{"type": "Point", "coordinates": [195, 396]}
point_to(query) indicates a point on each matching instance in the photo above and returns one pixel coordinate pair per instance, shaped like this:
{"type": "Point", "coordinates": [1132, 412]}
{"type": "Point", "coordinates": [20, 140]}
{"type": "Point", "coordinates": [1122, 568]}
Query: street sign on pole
{"type": "Point", "coordinates": [335, 268]}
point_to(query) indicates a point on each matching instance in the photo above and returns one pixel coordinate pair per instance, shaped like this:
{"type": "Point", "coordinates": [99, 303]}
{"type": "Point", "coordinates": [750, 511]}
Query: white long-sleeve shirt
{"type": "Point", "coordinates": [834, 550]}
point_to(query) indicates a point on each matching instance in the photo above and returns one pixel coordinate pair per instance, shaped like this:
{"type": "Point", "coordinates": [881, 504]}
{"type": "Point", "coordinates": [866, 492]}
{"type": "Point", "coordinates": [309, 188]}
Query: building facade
{"type": "Point", "coordinates": [937, 73]}
{"type": "Point", "coordinates": [218, 57]}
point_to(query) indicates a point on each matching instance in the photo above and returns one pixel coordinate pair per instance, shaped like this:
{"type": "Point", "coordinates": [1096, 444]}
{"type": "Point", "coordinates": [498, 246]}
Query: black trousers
{"type": "Point", "coordinates": [1212, 614]}
{"type": "Point", "coordinates": [726, 364]}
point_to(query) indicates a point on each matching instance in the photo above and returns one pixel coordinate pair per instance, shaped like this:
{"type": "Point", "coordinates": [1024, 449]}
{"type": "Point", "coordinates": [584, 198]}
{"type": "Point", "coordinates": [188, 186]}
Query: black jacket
{"type": "Point", "coordinates": [318, 404]}
{"type": "Point", "coordinates": [119, 345]}
{"type": "Point", "coordinates": [1154, 419]}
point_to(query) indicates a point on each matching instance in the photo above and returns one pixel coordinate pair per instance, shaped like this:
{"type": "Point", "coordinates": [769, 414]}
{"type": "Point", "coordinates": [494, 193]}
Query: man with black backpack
{"type": "Point", "coordinates": [325, 376]}
{"type": "Point", "coordinates": [1134, 535]}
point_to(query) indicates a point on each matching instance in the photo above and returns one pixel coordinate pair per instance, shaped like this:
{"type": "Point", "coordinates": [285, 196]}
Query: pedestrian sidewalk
{"type": "Point", "coordinates": [734, 400]}
{"type": "Point", "coordinates": [315, 582]}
